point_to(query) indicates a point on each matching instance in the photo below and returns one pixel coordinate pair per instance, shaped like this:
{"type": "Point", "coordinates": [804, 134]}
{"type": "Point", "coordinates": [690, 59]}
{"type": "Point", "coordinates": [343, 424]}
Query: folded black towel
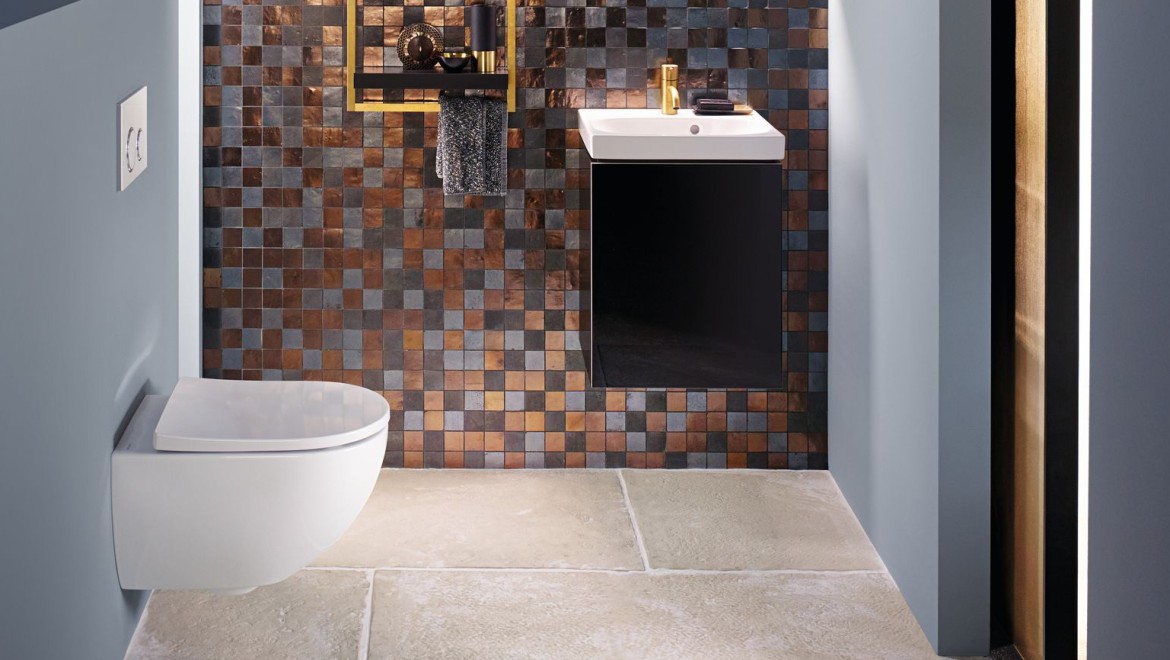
{"type": "Point", "coordinates": [472, 154]}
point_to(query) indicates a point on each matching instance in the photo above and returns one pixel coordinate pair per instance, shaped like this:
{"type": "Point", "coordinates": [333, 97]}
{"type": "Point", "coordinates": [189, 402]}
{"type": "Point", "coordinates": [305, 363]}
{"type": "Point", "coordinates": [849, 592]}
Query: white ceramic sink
{"type": "Point", "coordinates": [620, 134]}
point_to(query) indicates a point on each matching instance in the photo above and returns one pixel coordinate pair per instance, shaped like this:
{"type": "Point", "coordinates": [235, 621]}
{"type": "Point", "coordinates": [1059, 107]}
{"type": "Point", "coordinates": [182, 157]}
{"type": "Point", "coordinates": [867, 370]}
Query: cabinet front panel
{"type": "Point", "coordinates": [687, 275]}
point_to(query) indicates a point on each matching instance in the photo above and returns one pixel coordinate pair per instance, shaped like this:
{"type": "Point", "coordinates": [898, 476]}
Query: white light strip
{"type": "Point", "coordinates": [1085, 222]}
{"type": "Point", "coordinates": [189, 198]}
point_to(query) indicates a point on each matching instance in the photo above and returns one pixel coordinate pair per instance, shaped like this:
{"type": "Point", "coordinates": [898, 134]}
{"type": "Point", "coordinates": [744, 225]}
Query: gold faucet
{"type": "Point", "coordinates": [670, 101]}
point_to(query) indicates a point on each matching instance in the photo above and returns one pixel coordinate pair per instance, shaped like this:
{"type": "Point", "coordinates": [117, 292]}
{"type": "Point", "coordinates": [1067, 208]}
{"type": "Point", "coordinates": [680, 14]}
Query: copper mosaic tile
{"type": "Point", "coordinates": [330, 251]}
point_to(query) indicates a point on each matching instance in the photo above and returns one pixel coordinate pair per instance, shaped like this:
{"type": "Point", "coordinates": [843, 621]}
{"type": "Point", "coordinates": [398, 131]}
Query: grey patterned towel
{"type": "Point", "coordinates": [472, 154]}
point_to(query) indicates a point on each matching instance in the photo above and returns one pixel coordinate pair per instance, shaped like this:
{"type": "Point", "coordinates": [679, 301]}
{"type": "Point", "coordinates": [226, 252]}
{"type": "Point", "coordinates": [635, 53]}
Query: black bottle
{"type": "Point", "coordinates": [481, 20]}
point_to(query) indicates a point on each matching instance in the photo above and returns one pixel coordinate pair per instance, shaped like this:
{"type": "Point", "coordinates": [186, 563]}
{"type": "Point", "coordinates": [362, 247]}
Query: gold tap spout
{"type": "Point", "coordinates": [670, 99]}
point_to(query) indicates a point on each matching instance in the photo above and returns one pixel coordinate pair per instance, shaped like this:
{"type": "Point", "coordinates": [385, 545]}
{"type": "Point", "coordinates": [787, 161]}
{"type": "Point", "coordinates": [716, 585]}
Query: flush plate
{"type": "Point", "coordinates": [132, 138]}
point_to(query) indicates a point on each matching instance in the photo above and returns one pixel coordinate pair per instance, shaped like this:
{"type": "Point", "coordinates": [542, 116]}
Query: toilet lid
{"type": "Point", "coordinates": [205, 415]}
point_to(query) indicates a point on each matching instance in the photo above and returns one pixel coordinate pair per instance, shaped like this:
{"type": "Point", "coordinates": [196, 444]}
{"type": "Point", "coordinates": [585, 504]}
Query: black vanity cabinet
{"type": "Point", "coordinates": [685, 282]}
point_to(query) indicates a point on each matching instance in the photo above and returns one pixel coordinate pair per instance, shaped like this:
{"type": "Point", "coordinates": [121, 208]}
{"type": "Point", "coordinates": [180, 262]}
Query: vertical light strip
{"type": "Point", "coordinates": [1085, 222]}
{"type": "Point", "coordinates": [190, 163]}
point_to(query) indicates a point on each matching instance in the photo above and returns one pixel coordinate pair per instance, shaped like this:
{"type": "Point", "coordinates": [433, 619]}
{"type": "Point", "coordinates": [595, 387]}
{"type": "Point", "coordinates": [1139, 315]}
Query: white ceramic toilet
{"type": "Point", "coordinates": [231, 485]}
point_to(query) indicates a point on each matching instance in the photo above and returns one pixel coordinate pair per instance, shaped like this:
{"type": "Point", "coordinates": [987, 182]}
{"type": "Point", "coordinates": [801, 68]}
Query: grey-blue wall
{"type": "Point", "coordinates": [909, 298]}
{"type": "Point", "coordinates": [87, 310]}
{"type": "Point", "coordinates": [15, 12]}
{"type": "Point", "coordinates": [1129, 408]}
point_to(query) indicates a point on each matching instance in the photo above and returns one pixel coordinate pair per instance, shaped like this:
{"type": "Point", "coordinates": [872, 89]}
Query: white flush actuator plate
{"type": "Point", "coordinates": [132, 138]}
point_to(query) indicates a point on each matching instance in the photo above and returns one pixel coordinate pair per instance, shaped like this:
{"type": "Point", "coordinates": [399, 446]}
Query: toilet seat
{"type": "Point", "coordinates": [204, 415]}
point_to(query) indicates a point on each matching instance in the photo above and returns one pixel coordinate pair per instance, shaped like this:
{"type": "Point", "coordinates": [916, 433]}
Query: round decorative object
{"type": "Point", "coordinates": [419, 46]}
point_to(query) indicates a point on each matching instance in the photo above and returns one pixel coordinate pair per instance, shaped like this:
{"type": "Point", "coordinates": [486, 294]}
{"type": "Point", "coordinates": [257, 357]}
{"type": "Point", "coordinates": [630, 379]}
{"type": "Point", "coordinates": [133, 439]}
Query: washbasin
{"type": "Point", "coordinates": [628, 134]}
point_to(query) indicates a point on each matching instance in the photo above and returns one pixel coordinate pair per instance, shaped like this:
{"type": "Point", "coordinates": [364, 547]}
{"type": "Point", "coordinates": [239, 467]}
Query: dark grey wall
{"type": "Point", "coordinates": [909, 298]}
{"type": "Point", "coordinates": [964, 263]}
{"type": "Point", "coordinates": [16, 11]}
{"type": "Point", "coordinates": [1129, 491]}
{"type": "Point", "coordinates": [87, 310]}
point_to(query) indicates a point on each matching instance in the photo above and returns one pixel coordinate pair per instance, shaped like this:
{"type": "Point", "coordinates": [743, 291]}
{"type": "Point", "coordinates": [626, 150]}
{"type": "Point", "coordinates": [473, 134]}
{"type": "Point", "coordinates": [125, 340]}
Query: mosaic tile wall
{"type": "Point", "coordinates": [330, 251]}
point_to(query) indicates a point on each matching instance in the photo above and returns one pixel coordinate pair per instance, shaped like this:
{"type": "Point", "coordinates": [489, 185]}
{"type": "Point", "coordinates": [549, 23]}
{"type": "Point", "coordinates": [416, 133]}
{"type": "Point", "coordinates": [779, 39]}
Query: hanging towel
{"type": "Point", "coordinates": [472, 154]}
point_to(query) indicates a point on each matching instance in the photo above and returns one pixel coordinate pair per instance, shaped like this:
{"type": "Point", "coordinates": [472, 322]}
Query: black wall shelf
{"type": "Point", "coordinates": [362, 78]}
{"type": "Point", "coordinates": [400, 78]}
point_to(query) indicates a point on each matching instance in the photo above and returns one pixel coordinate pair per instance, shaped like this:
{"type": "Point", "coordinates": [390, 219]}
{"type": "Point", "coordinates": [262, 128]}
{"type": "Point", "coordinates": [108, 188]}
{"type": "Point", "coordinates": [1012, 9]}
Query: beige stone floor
{"type": "Point", "coordinates": [568, 564]}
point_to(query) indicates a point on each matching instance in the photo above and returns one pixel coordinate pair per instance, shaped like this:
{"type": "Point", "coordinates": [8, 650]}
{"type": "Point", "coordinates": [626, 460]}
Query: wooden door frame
{"type": "Point", "coordinates": [1061, 295]}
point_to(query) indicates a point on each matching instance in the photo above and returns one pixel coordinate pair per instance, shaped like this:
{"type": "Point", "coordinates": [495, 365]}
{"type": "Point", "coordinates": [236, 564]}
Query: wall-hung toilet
{"type": "Point", "coordinates": [231, 485]}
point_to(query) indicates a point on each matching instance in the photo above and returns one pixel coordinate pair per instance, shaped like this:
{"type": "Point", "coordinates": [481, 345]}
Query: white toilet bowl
{"type": "Point", "coordinates": [230, 485]}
